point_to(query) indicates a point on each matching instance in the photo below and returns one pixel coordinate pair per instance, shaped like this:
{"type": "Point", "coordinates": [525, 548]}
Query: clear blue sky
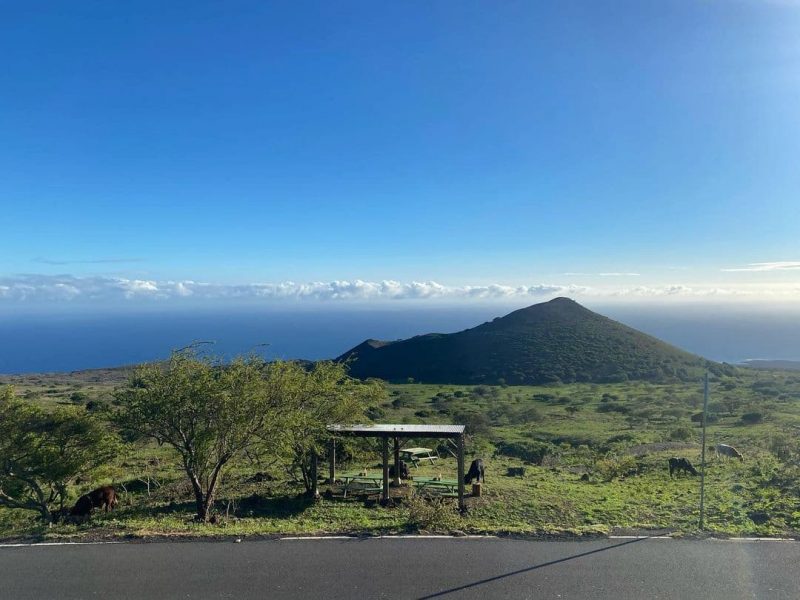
{"type": "Point", "coordinates": [466, 143]}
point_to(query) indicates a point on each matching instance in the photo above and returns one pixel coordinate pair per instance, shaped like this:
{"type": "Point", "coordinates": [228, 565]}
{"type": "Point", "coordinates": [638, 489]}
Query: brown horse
{"type": "Point", "coordinates": [104, 497]}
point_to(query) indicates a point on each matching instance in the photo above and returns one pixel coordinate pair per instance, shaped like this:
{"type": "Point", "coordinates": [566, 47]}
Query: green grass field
{"type": "Point", "coordinates": [594, 459]}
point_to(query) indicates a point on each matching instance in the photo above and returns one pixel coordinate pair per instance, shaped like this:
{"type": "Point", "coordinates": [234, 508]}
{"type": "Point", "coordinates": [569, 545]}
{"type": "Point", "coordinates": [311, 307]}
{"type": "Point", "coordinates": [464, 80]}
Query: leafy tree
{"type": "Point", "coordinates": [314, 399]}
{"type": "Point", "coordinates": [209, 414]}
{"type": "Point", "coordinates": [42, 454]}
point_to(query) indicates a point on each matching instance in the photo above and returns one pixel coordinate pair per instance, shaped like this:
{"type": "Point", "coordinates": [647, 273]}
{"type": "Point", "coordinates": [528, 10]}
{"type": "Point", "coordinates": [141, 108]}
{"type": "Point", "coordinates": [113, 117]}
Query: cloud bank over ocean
{"type": "Point", "coordinates": [61, 289]}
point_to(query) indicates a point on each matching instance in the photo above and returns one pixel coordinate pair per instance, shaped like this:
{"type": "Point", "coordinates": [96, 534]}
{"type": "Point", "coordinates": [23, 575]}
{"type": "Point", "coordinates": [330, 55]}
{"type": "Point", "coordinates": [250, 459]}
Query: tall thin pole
{"type": "Point", "coordinates": [385, 494]}
{"type": "Point", "coordinates": [703, 454]}
{"type": "Point", "coordinates": [461, 472]}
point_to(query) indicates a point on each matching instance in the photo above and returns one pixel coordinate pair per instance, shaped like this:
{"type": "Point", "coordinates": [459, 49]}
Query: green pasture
{"type": "Point", "coordinates": [594, 459]}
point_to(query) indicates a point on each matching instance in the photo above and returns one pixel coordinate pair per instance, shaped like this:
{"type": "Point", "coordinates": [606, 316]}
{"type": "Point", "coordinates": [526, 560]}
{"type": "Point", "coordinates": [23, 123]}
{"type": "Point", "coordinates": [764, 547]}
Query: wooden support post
{"type": "Point", "coordinates": [397, 480]}
{"type": "Point", "coordinates": [461, 504]}
{"type": "Point", "coordinates": [314, 470]}
{"type": "Point", "coordinates": [385, 495]}
{"type": "Point", "coordinates": [332, 462]}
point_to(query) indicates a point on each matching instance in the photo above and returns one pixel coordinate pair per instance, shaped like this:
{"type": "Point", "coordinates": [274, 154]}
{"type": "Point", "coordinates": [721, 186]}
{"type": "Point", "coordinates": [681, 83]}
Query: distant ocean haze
{"type": "Point", "coordinates": [47, 342]}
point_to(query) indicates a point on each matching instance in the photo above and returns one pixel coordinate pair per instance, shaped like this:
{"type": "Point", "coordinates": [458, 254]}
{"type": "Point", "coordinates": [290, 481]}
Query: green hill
{"type": "Point", "coordinates": [559, 340]}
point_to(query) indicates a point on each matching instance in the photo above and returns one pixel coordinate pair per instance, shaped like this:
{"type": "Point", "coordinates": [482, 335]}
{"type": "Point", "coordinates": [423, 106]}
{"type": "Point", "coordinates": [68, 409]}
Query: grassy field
{"type": "Point", "coordinates": [594, 459]}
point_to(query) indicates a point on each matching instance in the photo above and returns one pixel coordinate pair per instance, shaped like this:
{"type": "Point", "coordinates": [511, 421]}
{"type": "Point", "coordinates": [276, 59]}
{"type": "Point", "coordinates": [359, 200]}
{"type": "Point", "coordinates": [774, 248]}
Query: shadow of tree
{"type": "Point", "coordinates": [272, 506]}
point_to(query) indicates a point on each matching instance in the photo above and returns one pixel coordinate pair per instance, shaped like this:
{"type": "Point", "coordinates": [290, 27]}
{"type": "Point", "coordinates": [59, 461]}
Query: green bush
{"type": "Point", "coordinates": [531, 451]}
{"type": "Point", "coordinates": [77, 397]}
{"type": "Point", "coordinates": [611, 467]}
{"type": "Point", "coordinates": [434, 515]}
{"type": "Point", "coordinates": [752, 418]}
{"type": "Point", "coordinates": [613, 407]}
{"type": "Point", "coordinates": [681, 433]}
{"type": "Point", "coordinates": [401, 401]}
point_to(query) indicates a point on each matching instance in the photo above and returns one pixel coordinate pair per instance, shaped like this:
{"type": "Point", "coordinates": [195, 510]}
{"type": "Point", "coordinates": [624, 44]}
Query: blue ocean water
{"type": "Point", "coordinates": [64, 342]}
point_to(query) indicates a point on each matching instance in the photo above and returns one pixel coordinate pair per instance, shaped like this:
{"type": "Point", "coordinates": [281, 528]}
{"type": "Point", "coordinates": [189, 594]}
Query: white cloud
{"type": "Point", "coordinates": [783, 265]}
{"type": "Point", "coordinates": [72, 289]}
{"type": "Point", "coordinates": [605, 274]}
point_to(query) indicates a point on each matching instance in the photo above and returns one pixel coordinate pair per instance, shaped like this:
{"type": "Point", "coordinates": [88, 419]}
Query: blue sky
{"type": "Point", "coordinates": [374, 151]}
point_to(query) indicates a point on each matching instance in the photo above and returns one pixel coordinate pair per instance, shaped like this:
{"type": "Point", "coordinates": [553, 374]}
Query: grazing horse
{"type": "Point", "coordinates": [727, 451]}
{"type": "Point", "coordinates": [681, 464]}
{"type": "Point", "coordinates": [104, 497]}
{"type": "Point", "coordinates": [476, 471]}
{"type": "Point", "coordinates": [403, 470]}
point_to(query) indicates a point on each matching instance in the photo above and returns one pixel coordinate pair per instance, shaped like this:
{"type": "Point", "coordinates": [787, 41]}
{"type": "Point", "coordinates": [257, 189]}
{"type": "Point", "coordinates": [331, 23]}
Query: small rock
{"type": "Point", "coordinates": [237, 541]}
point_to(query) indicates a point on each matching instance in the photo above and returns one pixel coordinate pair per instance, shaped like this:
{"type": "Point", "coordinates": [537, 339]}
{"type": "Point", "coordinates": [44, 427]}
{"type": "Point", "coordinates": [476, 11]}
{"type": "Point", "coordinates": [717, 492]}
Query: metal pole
{"type": "Point", "coordinates": [461, 472]}
{"type": "Point", "coordinates": [385, 469]}
{"type": "Point", "coordinates": [703, 454]}
{"type": "Point", "coordinates": [397, 480]}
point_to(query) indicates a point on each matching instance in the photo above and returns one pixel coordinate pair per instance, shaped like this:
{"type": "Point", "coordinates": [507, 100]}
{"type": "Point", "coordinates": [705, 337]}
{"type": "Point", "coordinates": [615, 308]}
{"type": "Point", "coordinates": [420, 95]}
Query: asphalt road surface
{"type": "Point", "coordinates": [405, 568]}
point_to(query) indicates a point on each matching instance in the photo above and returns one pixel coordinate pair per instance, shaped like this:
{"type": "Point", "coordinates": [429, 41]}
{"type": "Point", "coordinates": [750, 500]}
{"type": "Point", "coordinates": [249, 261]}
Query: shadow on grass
{"type": "Point", "coordinates": [277, 507]}
{"type": "Point", "coordinates": [171, 508]}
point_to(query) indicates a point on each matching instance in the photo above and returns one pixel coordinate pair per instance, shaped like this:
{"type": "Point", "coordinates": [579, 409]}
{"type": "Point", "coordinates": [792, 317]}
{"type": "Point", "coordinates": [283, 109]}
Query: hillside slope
{"type": "Point", "coordinates": [559, 340]}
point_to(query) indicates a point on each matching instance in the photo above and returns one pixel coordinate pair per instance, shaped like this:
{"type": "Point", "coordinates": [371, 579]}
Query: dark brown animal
{"type": "Point", "coordinates": [403, 470]}
{"type": "Point", "coordinates": [476, 471]}
{"type": "Point", "coordinates": [82, 507]}
{"type": "Point", "coordinates": [681, 464]}
{"type": "Point", "coordinates": [104, 497]}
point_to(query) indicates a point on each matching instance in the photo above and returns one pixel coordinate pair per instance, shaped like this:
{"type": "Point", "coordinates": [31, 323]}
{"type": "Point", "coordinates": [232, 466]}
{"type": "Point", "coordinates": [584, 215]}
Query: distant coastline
{"type": "Point", "coordinates": [767, 363]}
{"type": "Point", "coordinates": [59, 343]}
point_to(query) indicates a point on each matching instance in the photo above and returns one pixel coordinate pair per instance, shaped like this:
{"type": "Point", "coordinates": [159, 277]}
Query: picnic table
{"type": "Point", "coordinates": [440, 487]}
{"type": "Point", "coordinates": [370, 484]}
{"type": "Point", "coordinates": [418, 455]}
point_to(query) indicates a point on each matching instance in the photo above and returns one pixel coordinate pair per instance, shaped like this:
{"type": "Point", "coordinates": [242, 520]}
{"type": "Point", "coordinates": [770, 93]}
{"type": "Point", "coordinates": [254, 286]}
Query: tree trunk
{"type": "Point", "coordinates": [199, 497]}
{"type": "Point", "coordinates": [45, 513]}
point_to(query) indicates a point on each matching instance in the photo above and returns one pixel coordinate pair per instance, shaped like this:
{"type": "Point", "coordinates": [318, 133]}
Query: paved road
{"type": "Point", "coordinates": [405, 568]}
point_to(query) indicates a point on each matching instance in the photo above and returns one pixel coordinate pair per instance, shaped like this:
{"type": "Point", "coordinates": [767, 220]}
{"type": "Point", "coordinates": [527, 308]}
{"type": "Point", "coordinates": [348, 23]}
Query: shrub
{"type": "Point", "coordinates": [613, 407]}
{"type": "Point", "coordinates": [611, 467]}
{"type": "Point", "coordinates": [752, 418]}
{"type": "Point", "coordinates": [436, 515]}
{"type": "Point", "coordinates": [476, 423]}
{"type": "Point", "coordinates": [529, 414]}
{"type": "Point", "coordinates": [481, 390]}
{"type": "Point", "coordinates": [710, 418]}
{"type": "Point", "coordinates": [681, 433]}
{"type": "Point", "coordinates": [531, 451]}
{"type": "Point", "coordinates": [77, 397]}
{"type": "Point", "coordinates": [401, 401]}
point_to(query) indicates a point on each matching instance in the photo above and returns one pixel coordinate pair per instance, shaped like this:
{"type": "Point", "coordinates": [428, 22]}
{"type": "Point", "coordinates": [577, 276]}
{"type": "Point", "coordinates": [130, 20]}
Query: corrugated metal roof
{"type": "Point", "coordinates": [401, 430]}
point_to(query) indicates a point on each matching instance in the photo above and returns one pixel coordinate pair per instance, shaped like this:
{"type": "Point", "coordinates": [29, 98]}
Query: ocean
{"type": "Point", "coordinates": [71, 341]}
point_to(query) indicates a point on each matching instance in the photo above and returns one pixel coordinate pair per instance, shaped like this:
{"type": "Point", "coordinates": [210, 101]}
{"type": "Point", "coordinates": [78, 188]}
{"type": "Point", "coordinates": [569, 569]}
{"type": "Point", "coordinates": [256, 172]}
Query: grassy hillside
{"type": "Point", "coordinates": [594, 459]}
{"type": "Point", "coordinates": [554, 342]}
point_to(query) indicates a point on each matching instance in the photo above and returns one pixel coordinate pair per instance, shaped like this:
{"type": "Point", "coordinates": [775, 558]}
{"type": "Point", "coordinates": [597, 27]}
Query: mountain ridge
{"type": "Point", "coordinates": [550, 342]}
